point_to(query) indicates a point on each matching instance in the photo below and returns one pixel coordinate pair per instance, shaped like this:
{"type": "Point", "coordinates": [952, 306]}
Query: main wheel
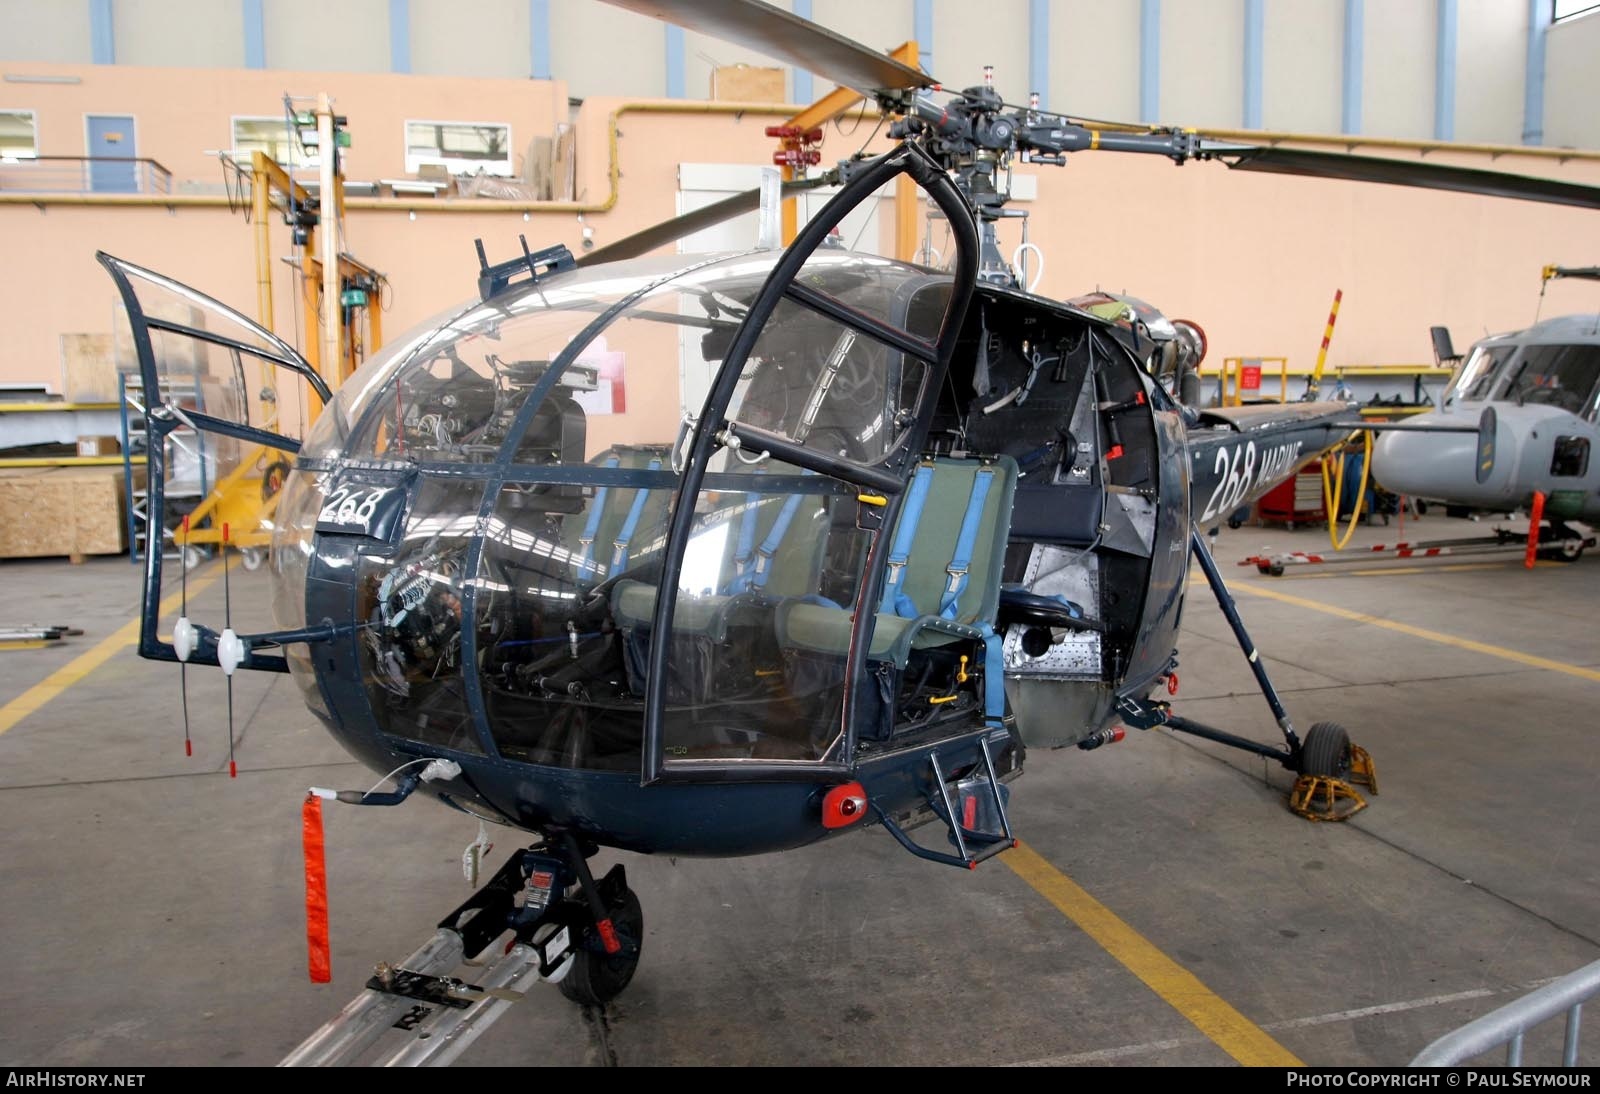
{"type": "Point", "coordinates": [597, 977]}
{"type": "Point", "coordinates": [1567, 550]}
{"type": "Point", "coordinates": [1326, 751]}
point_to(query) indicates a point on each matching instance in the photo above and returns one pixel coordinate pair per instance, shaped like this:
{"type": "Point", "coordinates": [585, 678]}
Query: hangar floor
{"type": "Point", "coordinates": [1166, 909]}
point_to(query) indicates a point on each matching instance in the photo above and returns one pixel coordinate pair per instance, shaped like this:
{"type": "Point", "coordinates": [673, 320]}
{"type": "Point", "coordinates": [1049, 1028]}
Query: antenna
{"type": "Point", "coordinates": [183, 639]}
{"type": "Point", "coordinates": [230, 651]}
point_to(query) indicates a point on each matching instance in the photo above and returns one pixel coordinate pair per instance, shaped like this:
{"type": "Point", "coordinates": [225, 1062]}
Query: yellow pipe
{"type": "Point", "coordinates": [1334, 491]}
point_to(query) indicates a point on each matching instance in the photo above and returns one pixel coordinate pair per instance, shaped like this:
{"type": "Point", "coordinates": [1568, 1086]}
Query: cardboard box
{"type": "Point", "coordinates": [99, 446]}
{"type": "Point", "coordinates": [72, 511]}
{"type": "Point", "coordinates": [747, 84]}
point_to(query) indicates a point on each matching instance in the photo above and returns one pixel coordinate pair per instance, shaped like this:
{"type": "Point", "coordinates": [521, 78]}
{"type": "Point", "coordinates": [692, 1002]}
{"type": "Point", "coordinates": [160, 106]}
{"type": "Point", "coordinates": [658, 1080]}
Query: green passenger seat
{"type": "Point", "coordinates": [920, 588]}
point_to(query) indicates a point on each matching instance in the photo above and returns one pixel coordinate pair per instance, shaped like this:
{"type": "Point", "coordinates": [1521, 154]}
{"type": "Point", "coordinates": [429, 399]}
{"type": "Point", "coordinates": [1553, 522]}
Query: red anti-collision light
{"type": "Point", "coordinates": [844, 805]}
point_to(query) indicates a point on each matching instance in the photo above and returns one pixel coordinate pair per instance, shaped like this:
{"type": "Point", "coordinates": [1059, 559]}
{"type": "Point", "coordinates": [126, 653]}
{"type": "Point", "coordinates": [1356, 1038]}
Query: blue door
{"type": "Point", "coordinates": [111, 139]}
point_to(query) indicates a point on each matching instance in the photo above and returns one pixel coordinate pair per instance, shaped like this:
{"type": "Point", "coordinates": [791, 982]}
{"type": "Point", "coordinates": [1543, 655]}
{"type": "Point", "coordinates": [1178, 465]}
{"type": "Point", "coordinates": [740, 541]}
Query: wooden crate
{"type": "Point", "coordinates": [72, 511]}
{"type": "Point", "coordinates": [88, 370]}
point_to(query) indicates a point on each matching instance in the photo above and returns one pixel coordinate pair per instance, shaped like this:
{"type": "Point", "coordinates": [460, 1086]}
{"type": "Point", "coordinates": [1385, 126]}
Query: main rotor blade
{"type": "Point", "coordinates": [785, 37]}
{"type": "Point", "coordinates": [1431, 176]}
{"type": "Point", "coordinates": [1583, 273]}
{"type": "Point", "coordinates": [670, 230]}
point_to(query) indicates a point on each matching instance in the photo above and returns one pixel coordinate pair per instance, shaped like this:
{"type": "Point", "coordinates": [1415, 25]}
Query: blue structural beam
{"type": "Point", "coordinates": [675, 72]}
{"type": "Point", "coordinates": [255, 35]}
{"type": "Point", "coordinates": [399, 35]}
{"type": "Point", "coordinates": [922, 31]}
{"type": "Point", "coordinates": [1533, 93]}
{"type": "Point", "coordinates": [1039, 50]}
{"type": "Point", "coordinates": [539, 39]}
{"type": "Point", "coordinates": [102, 33]}
{"type": "Point", "coordinates": [803, 91]}
{"type": "Point", "coordinates": [1444, 72]}
{"type": "Point", "coordinates": [1255, 29]}
{"type": "Point", "coordinates": [1149, 60]}
{"type": "Point", "coordinates": [1355, 20]}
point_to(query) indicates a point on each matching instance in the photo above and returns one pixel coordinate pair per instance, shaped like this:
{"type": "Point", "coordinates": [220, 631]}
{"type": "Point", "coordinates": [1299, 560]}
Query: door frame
{"type": "Point", "coordinates": [88, 146]}
{"type": "Point", "coordinates": [888, 480]}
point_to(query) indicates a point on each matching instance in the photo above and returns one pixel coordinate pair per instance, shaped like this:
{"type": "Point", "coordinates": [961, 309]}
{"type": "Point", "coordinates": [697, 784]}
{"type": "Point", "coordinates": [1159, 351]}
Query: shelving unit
{"type": "Point", "coordinates": [48, 406]}
{"type": "Point", "coordinates": [186, 450]}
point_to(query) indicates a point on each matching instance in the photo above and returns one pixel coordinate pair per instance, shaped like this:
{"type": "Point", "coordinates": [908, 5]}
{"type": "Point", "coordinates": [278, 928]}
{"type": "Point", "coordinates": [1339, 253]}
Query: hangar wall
{"type": "Point", "coordinates": [1095, 60]}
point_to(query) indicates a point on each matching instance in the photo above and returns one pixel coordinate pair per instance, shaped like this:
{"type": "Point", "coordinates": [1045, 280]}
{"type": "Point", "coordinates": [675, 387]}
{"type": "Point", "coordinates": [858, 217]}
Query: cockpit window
{"type": "Point", "coordinates": [1476, 378]}
{"type": "Point", "coordinates": [1560, 376]}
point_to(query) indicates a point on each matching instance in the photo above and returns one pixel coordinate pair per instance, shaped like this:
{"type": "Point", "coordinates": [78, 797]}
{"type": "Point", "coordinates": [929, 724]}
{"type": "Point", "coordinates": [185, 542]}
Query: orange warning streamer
{"type": "Point", "coordinates": [321, 963]}
{"type": "Point", "coordinates": [1535, 520]}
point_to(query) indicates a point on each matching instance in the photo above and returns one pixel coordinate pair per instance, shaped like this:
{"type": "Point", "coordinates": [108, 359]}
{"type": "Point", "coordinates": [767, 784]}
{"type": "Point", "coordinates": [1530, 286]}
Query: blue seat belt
{"type": "Point", "coordinates": [744, 554]}
{"type": "Point", "coordinates": [896, 602]}
{"type": "Point", "coordinates": [769, 546]}
{"type": "Point", "coordinates": [591, 527]}
{"type": "Point", "coordinates": [950, 604]}
{"type": "Point", "coordinates": [619, 554]}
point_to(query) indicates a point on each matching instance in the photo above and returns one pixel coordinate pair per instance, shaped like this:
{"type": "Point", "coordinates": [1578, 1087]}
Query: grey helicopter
{"type": "Point", "coordinates": [1534, 395]}
{"type": "Point", "coordinates": [1542, 385]}
{"type": "Point", "coordinates": [923, 521]}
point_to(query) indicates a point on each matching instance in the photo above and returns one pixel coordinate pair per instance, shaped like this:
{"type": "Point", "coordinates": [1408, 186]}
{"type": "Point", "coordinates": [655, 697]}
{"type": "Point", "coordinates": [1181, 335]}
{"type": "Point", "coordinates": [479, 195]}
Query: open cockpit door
{"type": "Point", "coordinates": [224, 402]}
{"type": "Point", "coordinates": [800, 458]}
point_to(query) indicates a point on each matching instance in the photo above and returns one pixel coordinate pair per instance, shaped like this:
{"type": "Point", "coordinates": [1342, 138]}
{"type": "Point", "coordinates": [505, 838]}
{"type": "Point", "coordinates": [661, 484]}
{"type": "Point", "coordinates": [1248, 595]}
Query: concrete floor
{"type": "Point", "coordinates": [152, 906]}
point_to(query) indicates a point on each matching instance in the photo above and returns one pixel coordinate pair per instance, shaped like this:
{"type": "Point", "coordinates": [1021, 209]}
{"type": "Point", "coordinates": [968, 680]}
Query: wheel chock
{"type": "Point", "coordinates": [1324, 798]}
{"type": "Point", "coordinates": [1363, 772]}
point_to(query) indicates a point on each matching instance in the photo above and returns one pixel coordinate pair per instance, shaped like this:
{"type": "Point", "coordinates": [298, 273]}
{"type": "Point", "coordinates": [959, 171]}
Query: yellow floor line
{"type": "Point", "coordinates": [1422, 632]}
{"type": "Point", "coordinates": [1181, 989]}
{"type": "Point", "coordinates": [1457, 568]}
{"type": "Point", "coordinates": [89, 660]}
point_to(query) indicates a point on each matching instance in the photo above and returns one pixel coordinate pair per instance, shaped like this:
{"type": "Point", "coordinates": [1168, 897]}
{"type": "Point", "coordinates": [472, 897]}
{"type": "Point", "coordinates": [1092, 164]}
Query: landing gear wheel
{"type": "Point", "coordinates": [252, 557]}
{"type": "Point", "coordinates": [1276, 569]}
{"type": "Point", "coordinates": [1326, 751]}
{"type": "Point", "coordinates": [1568, 550]}
{"type": "Point", "coordinates": [597, 977]}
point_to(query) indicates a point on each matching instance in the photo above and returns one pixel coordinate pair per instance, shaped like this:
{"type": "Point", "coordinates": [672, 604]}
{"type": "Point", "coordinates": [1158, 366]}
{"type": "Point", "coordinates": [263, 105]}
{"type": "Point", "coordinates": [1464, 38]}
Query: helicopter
{"type": "Point", "coordinates": [1535, 394]}
{"type": "Point", "coordinates": [1543, 385]}
{"type": "Point", "coordinates": [923, 521]}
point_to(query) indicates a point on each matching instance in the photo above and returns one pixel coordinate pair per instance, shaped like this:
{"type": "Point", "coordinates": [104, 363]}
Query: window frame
{"type": "Point", "coordinates": [310, 158]}
{"type": "Point", "coordinates": [1558, 16]}
{"type": "Point", "coordinates": [33, 116]}
{"type": "Point", "coordinates": [454, 165]}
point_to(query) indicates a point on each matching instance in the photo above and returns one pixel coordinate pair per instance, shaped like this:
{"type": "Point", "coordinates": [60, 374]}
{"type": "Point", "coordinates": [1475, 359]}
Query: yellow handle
{"type": "Point", "coordinates": [872, 499]}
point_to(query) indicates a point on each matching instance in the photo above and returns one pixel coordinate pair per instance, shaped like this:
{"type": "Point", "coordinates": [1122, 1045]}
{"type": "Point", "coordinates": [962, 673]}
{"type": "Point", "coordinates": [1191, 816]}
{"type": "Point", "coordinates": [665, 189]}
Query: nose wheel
{"type": "Point", "coordinates": [597, 977]}
{"type": "Point", "coordinates": [1330, 769]}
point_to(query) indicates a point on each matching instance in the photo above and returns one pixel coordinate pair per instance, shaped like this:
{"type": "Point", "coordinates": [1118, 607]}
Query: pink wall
{"type": "Point", "coordinates": [1253, 258]}
{"type": "Point", "coordinates": [183, 113]}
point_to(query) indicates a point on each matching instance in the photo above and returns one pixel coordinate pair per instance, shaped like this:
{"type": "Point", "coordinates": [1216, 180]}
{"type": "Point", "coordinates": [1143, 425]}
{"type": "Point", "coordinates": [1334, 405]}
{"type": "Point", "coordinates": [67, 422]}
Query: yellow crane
{"type": "Point", "coordinates": [341, 302]}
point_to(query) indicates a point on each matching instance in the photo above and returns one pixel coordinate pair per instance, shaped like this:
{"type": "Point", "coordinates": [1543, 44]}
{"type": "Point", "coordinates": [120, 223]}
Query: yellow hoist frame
{"type": "Point", "coordinates": [246, 498]}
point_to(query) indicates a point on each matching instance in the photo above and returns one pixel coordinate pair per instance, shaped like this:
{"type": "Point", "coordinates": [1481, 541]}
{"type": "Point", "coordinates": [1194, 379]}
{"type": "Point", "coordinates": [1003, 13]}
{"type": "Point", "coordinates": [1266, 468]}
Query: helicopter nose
{"type": "Point", "coordinates": [1427, 465]}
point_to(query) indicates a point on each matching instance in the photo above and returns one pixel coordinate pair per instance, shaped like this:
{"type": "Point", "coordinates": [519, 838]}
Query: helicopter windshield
{"type": "Point", "coordinates": [1555, 375]}
{"type": "Point", "coordinates": [1476, 378]}
{"type": "Point", "coordinates": [544, 428]}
